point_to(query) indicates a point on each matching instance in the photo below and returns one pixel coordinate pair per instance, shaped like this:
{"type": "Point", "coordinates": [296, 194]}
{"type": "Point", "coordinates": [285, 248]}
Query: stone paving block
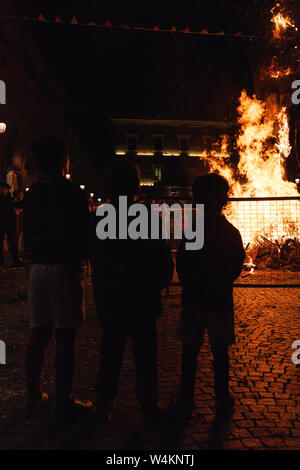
{"type": "Point", "coordinates": [274, 443]}
{"type": "Point", "coordinates": [248, 401]}
{"type": "Point", "coordinates": [260, 432]}
{"type": "Point", "coordinates": [240, 433]}
{"type": "Point", "coordinates": [267, 401]}
{"type": "Point", "coordinates": [292, 443]}
{"type": "Point", "coordinates": [236, 444]}
{"type": "Point", "coordinates": [246, 423]}
{"type": "Point", "coordinates": [252, 443]}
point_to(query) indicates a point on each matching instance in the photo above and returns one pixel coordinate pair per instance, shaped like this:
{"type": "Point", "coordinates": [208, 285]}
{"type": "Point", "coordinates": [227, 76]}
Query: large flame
{"type": "Point", "coordinates": [263, 146]}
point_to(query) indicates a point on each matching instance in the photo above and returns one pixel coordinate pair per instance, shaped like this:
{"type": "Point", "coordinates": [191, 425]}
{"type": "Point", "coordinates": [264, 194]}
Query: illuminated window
{"type": "Point", "coordinates": [157, 174]}
{"type": "Point", "coordinates": [183, 143]}
{"type": "Point", "coordinates": [132, 142]}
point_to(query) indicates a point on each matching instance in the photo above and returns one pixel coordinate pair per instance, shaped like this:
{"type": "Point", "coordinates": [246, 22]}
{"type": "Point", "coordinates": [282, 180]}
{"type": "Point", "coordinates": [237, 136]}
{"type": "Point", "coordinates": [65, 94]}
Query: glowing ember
{"type": "Point", "coordinates": [279, 72]}
{"type": "Point", "coordinates": [281, 23]}
{"type": "Point", "coordinates": [249, 266]}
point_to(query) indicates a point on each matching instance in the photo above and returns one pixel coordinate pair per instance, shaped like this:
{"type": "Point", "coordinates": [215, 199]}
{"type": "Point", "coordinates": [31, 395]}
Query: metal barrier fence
{"type": "Point", "coordinates": [270, 229]}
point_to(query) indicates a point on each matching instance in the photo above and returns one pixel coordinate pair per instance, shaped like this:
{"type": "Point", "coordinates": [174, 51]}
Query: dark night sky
{"type": "Point", "coordinates": [126, 73]}
{"type": "Point", "coordinates": [231, 15]}
{"type": "Point", "coordinates": [122, 73]}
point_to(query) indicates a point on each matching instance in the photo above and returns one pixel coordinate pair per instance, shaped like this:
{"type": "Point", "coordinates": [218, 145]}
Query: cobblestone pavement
{"type": "Point", "coordinates": [263, 379]}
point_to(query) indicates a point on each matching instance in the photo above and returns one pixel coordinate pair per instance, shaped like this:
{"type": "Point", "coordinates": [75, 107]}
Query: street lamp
{"type": "Point", "coordinates": [68, 176]}
{"type": "Point", "coordinates": [82, 186]}
{"type": "Point", "coordinates": [2, 127]}
{"type": "Point", "coordinates": [297, 180]}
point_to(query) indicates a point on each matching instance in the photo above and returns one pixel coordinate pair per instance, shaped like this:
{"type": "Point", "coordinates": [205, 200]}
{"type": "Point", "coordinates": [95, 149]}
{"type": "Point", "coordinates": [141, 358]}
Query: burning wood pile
{"type": "Point", "coordinates": [278, 254]}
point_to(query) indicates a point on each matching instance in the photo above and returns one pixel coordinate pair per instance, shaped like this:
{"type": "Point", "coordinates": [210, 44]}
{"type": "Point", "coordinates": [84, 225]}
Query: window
{"type": "Point", "coordinates": [132, 142]}
{"type": "Point", "coordinates": [146, 172]}
{"type": "Point", "coordinates": [157, 174]}
{"type": "Point", "coordinates": [158, 143]}
{"type": "Point", "coordinates": [183, 143]}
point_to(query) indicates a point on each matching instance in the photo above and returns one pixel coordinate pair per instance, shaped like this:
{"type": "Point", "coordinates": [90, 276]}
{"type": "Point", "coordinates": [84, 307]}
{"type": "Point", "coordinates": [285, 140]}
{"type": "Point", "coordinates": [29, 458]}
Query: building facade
{"type": "Point", "coordinates": [170, 153]}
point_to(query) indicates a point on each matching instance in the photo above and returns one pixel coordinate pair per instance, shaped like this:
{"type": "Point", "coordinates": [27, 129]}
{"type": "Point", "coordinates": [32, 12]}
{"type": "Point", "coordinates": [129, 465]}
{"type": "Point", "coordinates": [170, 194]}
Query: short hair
{"type": "Point", "coordinates": [122, 179]}
{"type": "Point", "coordinates": [49, 153]}
{"type": "Point", "coordinates": [211, 190]}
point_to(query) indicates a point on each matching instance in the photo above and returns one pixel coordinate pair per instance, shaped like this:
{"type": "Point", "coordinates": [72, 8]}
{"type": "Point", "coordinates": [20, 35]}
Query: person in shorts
{"type": "Point", "coordinates": [56, 219]}
{"type": "Point", "coordinates": [207, 277]}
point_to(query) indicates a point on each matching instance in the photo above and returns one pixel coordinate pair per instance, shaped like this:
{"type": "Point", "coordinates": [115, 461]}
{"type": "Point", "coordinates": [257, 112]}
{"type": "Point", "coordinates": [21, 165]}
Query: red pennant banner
{"type": "Point", "coordinates": [108, 24]}
{"type": "Point", "coordinates": [41, 18]}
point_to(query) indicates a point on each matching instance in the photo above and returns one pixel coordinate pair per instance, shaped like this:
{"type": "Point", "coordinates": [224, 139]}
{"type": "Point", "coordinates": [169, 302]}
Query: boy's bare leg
{"type": "Point", "coordinates": [34, 361]}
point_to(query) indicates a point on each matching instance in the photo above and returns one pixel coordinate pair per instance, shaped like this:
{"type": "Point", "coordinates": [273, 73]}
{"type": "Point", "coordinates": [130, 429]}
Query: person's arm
{"type": "Point", "coordinates": [238, 255]}
{"type": "Point", "coordinates": [27, 222]}
{"type": "Point", "coordinates": [83, 226]}
{"type": "Point", "coordinates": [165, 265]}
{"type": "Point", "coordinates": [181, 262]}
{"type": "Point", "coordinates": [104, 255]}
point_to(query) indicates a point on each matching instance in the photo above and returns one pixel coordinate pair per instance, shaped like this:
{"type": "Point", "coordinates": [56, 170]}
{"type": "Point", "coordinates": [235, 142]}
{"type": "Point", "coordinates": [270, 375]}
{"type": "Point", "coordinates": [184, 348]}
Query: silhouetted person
{"type": "Point", "coordinates": [207, 277]}
{"type": "Point", "coordinates": [56, 220]}
{"type": "Point", "coordinates": [128, 278]}
{"type": "Point", "coordinates": [8, 224]}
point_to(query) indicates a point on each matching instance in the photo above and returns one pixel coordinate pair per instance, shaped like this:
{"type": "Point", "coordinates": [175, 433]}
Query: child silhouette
{"type": "Point", "coordinates": [207, 277]}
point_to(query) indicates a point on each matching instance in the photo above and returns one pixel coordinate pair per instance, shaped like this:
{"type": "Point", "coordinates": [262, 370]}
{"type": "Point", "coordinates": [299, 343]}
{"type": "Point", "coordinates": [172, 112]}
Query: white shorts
{"type": "Point", "coordinates": [55, 296]}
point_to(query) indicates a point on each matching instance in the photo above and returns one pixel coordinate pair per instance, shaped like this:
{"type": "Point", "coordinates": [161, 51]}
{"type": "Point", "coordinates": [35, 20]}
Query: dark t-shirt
{"type": "Point", "coordinates": [128, 275]}
{"type": "Point", "coordinates": [207, 275]}
{"type": "Point", "coordinates": [56, 219]}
